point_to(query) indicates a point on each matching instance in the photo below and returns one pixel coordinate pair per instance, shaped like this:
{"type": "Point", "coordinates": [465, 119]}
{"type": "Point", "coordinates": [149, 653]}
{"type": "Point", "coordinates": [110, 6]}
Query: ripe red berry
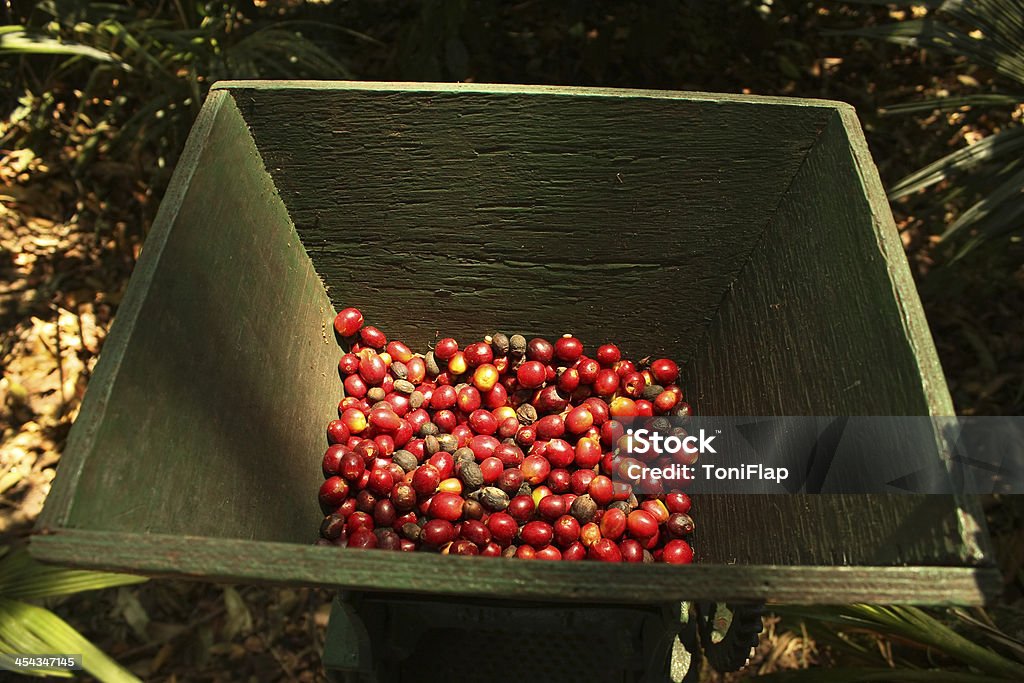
{"type": "Point", "coordinates": [463, 547]}
{"type": "Point", "coordinates": [559, 453]}
{"type": "Point", "coordinates": [666, 401]}
{"type": "Point", "coordinates": [380, 481]}
{"type": "Point", "coordinates": [444, 397]}
{"type": "Point", "coordinates": [348, 364]}
{"type": "Point", "coordinates": [332, 459]}
{"type": "Point", "coordinates": [483, 422]}
{"type": "Point", "coordinates": [351, 466]}
{"type": "Point", "coordinates": [526, 436]}
{"type": "Point", "coordinates": [551, 507]}
{"type": "Point", "coordinates": [511, 480]}
{"type": "Point", "coordinates": [399, 351]}
{"type": "Point", "coordinates": [613, 523]}
{"type": "Point", "coordinates": [550, 427]}
{"type": "Point", "coordinates": [372, 368]}
{"type": "Point", "coordinates": [384, 419]}
{"type": "Point", "coordinates": [478, 353]}
{"type": "Point", "coordinates": [677, 502]}
{"type": "Point", "coordinates": [657, 509]}
{"type": "Point", "coordinates": [531, 374]}
{"type": "Point", "coordinates": [588, 369]}
{"type": "Point", "coordinates": [566, 530]}
{"type": "Point", "coordinates": [355, 386]}
{"type": "Point", "coordinates": [540, 350]}
{"type": "Point", "coordinates": [446, 348]}
{"type": "Point", "coordinates": [568, 380]}
{"type": "Point", "coordinates": [537, 534]}
{"type": "Point", "coordinates": [444, 462]}
{"type": "Point", "coordinates": [568, 349]}
{"type": "Point", "coordinates": [475, 531]}
{"type": "Point", "coordinates": [447, 506]}
{"type": "Point", "coordinates": [437, 532]}
{"type": "Point", "coordinates": [623, 368]}
{"type": "Point", "coordinates": [633, 384]}
{"type": "Point", "coordinates": [509, 454]}
{"type": "Point", "coordinates": [417, 369]}
{"type": "Point", "coordinates": [496, 397]}
{"type": "Point", "coordinates": [560, 480]}
{"type": "Point", "coordinates": [579, 420]}
{"type": "Point", "coordinates": [535, 469]}
{"type": "Point", "coordinates": [631, 550]}
{"type": "Point", "coordinates": [664, 371]}
{"type": "Point", "coordinates": [359, 520]}
{"type": "Point", "coordinates": [574, 552]}
{"type": "Point", "coordinates": [363, 539]}
{"type": "Point", "coordinates": [550, 400]}
{"type": "Point", "coordinates": [425, 479]}
{"type": "Point", "coordinates": [372, 337]}
{"type": "Point", "coordinates": [605, 550]}
{"type": "Point", "coordinates": [549, 552]}
{"type": "Point", "coordinates": [503, 527]}
{"type": "Point", "coordinates": [526, 552]}
{"type": "Point", "coordinates": [581, 481]}
{"type": "Point", "coordinates": [348, 322]}
{"type": "Point", "coordinates": [601, 490]}
{"type": "Point", "coordinates": [521, 508]}
{"type": "Point", "coordinates": [608, 355]}
{"type": "Point", "coordinates": [491, 468]}
{"type": "Point", "coordinates": [641, 524]}
{"type": "Point", "coordinates": [509, 427]}
{"type": "Point", "coordinates": [403, 496]}
{"type": "Point", "coordinates": [606, 383]}
{"type": "Point", "coordinates": [679, 525]}
{"type": "Point", "coordinates": [677, 552]}
{"type": "Point", "coordinates": [333, 493]}
{"type": "Point", "coordinates": [468, 399]}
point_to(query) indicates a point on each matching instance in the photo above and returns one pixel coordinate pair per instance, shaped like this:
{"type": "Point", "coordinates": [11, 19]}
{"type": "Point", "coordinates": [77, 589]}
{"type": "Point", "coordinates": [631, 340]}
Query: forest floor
{"type": "Point", "coordinates": [66, 252]}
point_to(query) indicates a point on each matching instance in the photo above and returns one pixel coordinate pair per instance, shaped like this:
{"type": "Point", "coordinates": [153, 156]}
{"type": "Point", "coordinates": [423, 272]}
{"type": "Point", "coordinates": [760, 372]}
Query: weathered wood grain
{"type": "Point", "coordinates": [841, 530]}
{"type": "Point", "coordinates": [636, 216]}
{"type": "Point", "coordinates": [426, 573]}
{"type": "Point", "coordinates": [823, 319]}
{"type": "Point", "coordinates": [211, 402]}
{"type": "Point", "coordinates": [536, 212]}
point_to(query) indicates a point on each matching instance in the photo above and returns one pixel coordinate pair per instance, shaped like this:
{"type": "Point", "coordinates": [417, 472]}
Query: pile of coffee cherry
{"type": "Point", "coordinates": [504, 447]}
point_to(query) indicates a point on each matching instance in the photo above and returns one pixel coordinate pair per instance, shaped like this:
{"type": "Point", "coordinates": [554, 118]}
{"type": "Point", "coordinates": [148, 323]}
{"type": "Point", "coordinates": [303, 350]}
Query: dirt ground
{"type": "Point", "coordinates": [68, 243]}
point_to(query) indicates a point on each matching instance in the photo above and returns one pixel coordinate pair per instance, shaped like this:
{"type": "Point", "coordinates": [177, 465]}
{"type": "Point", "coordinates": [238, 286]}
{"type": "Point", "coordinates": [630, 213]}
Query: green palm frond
{"type": "Point", "coordinates": [26, 628]}
{"type": "Point", "coordinates": [993, 38]}
{"type": "Point", "coordinates": [952, 103]}
{"type": "Point", "coordinates": [30, 629]}
{"type": "Point", "coordinates": [1006, 145]}
{"type": "Point", "coordinates": [997, 45]}
{"type": "Point", "coordinates": [908, 625]}
{"type": "Point", "coordinates": [16, 40]}
{"type": "Point", "coordinates": [999, 213]}
{"type": "Point", "coordinates": [22, 578]}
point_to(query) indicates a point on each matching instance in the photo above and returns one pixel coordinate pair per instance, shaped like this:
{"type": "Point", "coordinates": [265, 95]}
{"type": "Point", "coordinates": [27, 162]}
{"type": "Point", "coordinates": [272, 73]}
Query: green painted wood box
{"type": "Point", "coordinates": [748, 236]}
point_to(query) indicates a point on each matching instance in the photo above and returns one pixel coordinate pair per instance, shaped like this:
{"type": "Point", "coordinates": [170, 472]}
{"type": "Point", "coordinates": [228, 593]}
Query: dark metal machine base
{"type": "Point", "coordinates": [387, 638]}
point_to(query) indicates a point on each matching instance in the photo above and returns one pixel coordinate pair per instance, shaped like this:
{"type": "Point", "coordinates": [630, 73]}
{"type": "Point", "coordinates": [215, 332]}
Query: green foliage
{"type": "Point", "coordinates": [135, 76]}
{"type": "Point", "coordinates": [849, 631]}
{"type": "Point", "coordinates": [988, 34]}
{"type": "Point", "coordinates": [16, 40]}
{"type": "Point", "coordinates": [30, 629]}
